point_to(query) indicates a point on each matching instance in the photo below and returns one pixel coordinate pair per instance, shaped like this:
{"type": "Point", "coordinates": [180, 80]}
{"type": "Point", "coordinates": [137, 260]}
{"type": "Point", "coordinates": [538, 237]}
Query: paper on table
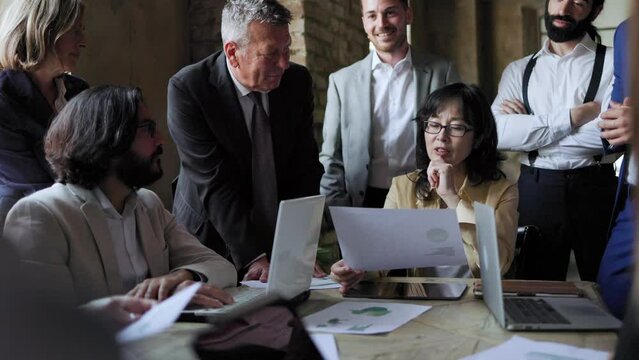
{"type": "Point", "coordinates": [316, 284]}
{"type": "Point", "coordinates": [160, 317]}
{"type": "Point", "coordinates": [383, 239]}
{"type": "Point", "coordinates": [519, 348]}
{"type": "Point", "coordinates": [356, 317]}
{"type": "Point", "coordinates": [325, 344]}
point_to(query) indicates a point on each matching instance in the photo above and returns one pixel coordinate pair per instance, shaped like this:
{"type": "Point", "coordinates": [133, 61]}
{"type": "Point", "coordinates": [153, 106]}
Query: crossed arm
{"type": "Point", "coordinates": [520, 131]}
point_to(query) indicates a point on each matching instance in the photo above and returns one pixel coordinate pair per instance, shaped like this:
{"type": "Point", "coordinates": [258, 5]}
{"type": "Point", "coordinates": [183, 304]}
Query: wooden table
{"type": "Point", "coordinates": [450, 330]}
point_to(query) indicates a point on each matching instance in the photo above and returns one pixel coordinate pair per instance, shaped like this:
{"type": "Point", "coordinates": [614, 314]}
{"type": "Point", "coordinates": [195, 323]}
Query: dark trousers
{"type": "Point", "coordinates": [572, 209]}
{"type": "Point", "coordinates": [615, 272]}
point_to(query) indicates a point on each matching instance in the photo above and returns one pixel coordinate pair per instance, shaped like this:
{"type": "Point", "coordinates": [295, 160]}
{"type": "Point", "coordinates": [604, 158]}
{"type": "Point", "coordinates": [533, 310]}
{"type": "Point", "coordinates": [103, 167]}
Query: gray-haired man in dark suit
{"type": "Point", "coordinates": [242, 122]}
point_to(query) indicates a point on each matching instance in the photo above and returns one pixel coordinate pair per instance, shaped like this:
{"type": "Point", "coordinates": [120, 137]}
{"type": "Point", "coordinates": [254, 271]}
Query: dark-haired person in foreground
{"type": "Point", "coordinates": [60, 331]}
{"type": "Point", "coordinates": [96, 232]}
{"type": "Point", "coordinates": [463, 166]}
{"type": "Point", "coordinates": [566, 188]}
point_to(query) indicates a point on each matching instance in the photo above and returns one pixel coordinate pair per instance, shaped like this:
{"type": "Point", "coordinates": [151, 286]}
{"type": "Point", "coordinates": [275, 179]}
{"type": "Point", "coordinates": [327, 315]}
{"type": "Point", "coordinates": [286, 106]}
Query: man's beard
{"type": "Point", "coordinates": [575, 31]}
{"type": "Point", "coordinates": [136, 171]}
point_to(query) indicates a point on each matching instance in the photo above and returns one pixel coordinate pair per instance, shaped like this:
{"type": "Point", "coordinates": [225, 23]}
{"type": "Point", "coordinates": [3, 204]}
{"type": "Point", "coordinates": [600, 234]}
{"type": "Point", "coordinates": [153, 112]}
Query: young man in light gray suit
{"type": "Point", "coordinates": [369, 135]}
{"type": "Point", "coordinates": [96, 232]}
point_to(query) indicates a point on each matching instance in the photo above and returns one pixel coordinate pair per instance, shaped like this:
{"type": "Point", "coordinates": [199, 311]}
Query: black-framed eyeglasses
{"type": "Point", "coordinates": [432, 127]}
{"type": "Point", "coordinates": [149, 125]}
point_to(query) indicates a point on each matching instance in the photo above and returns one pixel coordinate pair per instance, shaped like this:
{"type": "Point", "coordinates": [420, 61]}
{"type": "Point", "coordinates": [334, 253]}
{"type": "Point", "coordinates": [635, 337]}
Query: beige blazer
{"type": "Point", "coordinates": [502, 195]}
{"type": "Point", "coordinates": [63, 240]}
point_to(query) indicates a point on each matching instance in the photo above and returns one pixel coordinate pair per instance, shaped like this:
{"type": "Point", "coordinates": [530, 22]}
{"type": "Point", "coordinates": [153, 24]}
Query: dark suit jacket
{"type": "Point", "coordinates": [213, 197]}
{"type": "Point", "coordinates": [25, 115]}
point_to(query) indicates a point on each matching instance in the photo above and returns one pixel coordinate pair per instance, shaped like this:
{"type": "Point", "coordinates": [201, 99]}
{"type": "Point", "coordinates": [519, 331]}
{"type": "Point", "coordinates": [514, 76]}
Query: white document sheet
{"type": "Point", "coordinates": [364, 318]}
{"type": "Point", "coordinates": [519, 348]}
{"type": "Point", "coordinates": [160, 317]}
{"type": "Point", "coordinates": [316, 284]}
{"type": "Point", "coordinates": [384, 239]}
{"type": "Point", "coordinates": [325, 344]}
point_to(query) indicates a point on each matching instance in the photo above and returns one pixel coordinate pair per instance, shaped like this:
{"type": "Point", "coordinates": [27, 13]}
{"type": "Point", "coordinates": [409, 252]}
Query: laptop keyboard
{"type": "Point", "coordinates": [532, 311]}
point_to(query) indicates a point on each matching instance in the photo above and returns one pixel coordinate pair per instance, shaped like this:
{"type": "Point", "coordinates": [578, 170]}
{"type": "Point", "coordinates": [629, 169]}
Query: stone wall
{"type": "Point", "coordinates": [334, 39]}
{"type": "Point", "coordinates": [138, 43]}
{"type": "Point", "coordinates": [508, 35]}
{"type": "Point", "coordinates": [204, 19]}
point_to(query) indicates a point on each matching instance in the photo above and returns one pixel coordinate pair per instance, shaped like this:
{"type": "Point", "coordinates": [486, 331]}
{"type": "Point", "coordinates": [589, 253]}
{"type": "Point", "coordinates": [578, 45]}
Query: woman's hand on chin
{"type": "Point", "coordinates": [441, 178]}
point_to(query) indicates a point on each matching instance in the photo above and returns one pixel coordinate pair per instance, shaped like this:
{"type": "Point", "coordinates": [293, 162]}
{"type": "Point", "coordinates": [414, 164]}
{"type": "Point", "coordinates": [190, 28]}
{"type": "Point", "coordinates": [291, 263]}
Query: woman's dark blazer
{"type": "Point", "coordinates": [25, 116]}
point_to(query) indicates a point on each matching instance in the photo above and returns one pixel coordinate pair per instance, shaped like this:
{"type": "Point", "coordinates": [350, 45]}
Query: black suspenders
{"type": "Point", "coordinates": [595, 80]}
{"type": "Point", "coordinates": [524, 87]}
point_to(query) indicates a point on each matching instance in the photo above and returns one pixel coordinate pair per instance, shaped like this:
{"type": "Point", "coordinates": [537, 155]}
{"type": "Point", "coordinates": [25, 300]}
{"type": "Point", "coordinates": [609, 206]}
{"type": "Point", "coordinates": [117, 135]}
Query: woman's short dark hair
{"type": "Point", "coordinates": [483, 162]}
{"type": "Point", "coordinates": [95, 127]}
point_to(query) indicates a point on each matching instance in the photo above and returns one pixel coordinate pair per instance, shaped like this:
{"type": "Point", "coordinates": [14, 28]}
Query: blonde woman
{"type": "Point", "coordinates": [40, 44]}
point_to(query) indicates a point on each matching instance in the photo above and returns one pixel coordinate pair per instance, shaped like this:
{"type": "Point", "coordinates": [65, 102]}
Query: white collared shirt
{"type": "Point", "coordinates": [245, 102]}
{"type": "Point", "coordinates": [631, 175]}
{"type": "Point", "coordinates": [393, 92]}
{"type": "Point", "coordinates": [126, 244]}
{"type": "Point", "coordinates": [556, 85]}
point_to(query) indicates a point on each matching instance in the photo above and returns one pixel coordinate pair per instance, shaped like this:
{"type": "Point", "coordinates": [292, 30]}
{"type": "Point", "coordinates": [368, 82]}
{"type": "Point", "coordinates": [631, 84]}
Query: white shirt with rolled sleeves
{"type": "Point", "coordinates": [556, 85]}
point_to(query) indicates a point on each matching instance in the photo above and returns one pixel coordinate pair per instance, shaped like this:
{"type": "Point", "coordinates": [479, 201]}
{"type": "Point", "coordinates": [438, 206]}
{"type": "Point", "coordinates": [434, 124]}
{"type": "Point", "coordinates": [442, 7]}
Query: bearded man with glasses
{"type": "Point", "coordinates": [96, 232]}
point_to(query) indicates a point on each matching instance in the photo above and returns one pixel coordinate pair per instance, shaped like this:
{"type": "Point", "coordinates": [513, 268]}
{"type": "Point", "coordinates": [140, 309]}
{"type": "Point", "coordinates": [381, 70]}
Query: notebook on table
{"type": "Point", "coordinates": [530, 312]}
{"type": "Point", "coordinates": [292, 259]}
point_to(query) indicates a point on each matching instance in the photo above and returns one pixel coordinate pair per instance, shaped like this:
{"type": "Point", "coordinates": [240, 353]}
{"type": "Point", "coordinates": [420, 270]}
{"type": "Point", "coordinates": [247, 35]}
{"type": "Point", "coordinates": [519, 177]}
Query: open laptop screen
{"type": "Point", "coordinates": [488, 258]}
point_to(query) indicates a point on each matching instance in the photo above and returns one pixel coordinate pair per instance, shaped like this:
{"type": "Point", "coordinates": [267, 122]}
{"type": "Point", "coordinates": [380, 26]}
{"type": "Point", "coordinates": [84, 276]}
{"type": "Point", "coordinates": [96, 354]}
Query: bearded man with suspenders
{"type": "Point", "coordinates": [544, 110]}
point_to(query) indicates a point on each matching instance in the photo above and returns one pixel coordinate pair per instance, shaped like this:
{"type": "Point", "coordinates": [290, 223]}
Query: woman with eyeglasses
{"type": "Point", "coordinates": [40, 44]}
{"type": "Point", "coordinates": [461, 165]}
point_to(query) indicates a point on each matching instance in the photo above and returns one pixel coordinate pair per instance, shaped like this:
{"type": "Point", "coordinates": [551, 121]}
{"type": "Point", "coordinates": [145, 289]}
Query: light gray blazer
{"type": "Point", "coordinates": [63, 240]}
{"type": "Point", "coordinates": [348, 120]}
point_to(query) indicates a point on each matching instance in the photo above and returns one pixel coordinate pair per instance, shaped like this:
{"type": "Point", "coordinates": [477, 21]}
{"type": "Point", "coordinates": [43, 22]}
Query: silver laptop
{"type": "Point", "coordinates": [292, 260]}
{"type": "Point", "coordinates": [530, 312]}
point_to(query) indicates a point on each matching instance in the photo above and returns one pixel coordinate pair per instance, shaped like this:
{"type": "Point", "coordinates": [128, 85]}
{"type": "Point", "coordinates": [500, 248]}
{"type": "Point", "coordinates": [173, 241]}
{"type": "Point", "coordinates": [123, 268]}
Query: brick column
{"type": "Point", "coordinates": [334, 38]}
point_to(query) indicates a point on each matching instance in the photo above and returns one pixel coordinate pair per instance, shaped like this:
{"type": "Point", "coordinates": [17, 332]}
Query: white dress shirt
{"type": "Point", "coordinates": [246, 103]}
{"type": "Point", "coordinates": [247, 110]}
{"type": "Point", "coordinates": [393, 130]}
{"type": "Point", "coordinates": [126, 245]}
{"type": "Point", "coordinates": [631, 175]}
{"type": "Point", "coordinates": [556, 85]}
